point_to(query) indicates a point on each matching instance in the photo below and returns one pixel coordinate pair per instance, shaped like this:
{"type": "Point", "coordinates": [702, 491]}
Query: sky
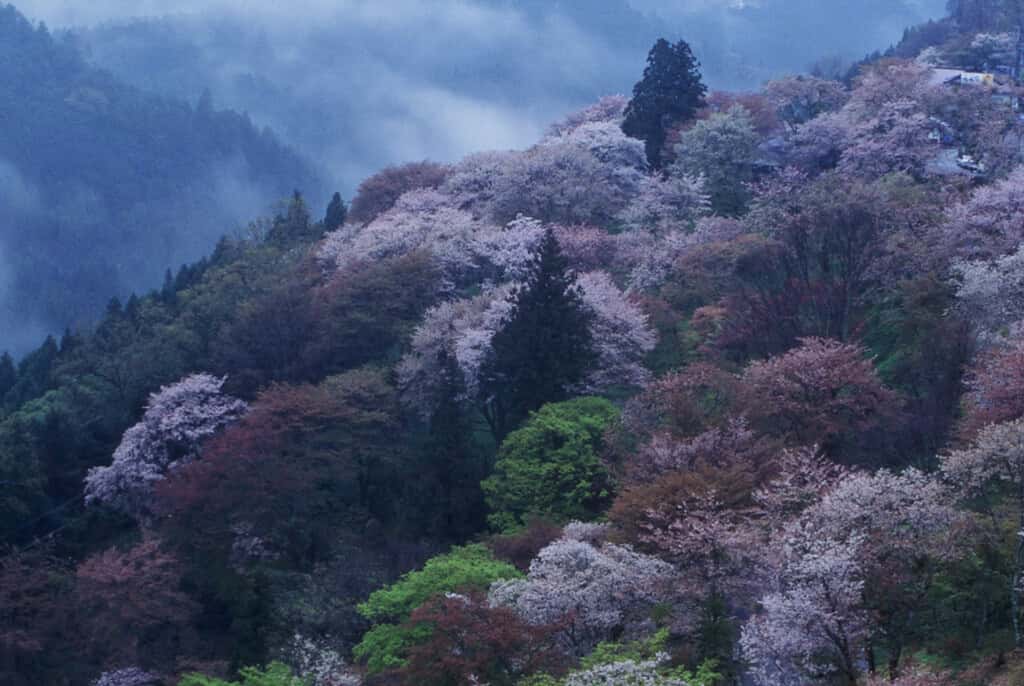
{"type": "Point", "coordinates": [360, 84]}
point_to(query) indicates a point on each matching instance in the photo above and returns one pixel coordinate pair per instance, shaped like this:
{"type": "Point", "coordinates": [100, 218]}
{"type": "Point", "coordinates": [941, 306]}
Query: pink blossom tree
{"type": "Point", "coordinates": [854, 571]}
{"type": "Point", "coordinates": [995, 457]}
{"type": "Point", "coordinates": [799, 99]}
{"type": "Point", "coordinates": [991, 222]}
{"type": "Point", "coordinates": [465, 329]}
{"type": "Point", "coordinates": [178, 418]}
{"type": "Point", "coordinates": [990, 294]}
{"type": "Point", "coordinates": [824, 392]}
{"type": "Point", "coordinates": [610, 108]}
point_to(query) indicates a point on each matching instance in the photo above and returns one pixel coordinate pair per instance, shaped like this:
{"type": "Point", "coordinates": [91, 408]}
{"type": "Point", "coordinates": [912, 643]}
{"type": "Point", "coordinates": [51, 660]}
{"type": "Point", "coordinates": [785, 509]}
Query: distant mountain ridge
{"type": "Point", "coordinates": [105, 186]}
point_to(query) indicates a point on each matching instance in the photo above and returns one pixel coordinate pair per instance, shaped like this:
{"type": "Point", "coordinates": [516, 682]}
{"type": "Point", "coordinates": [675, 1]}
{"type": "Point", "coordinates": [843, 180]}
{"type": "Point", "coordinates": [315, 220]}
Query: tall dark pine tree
{"type": "Point", "coordinates": [336, 213]}
{"type": "Point", "coordinates": [670, 92]}
{"type": "Point", "coordinates": [453, 468]}
{"type": "Point", "coordinates": [8, 376]}
{"type": "Point", "coordinates": [544, 345]}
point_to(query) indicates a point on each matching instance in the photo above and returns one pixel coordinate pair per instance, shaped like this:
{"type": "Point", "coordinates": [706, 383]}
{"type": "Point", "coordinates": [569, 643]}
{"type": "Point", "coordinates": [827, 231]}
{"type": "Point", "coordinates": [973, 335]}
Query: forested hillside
{"type": "Point", "coordinates": [103, 187]}
{"type": "Point", "coordinates": [701, 389]}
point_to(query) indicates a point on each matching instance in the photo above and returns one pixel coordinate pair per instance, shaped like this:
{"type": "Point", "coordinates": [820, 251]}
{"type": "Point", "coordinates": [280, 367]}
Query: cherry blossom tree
{"type": "Point", "coordinates": [824, 392]}
{"type": "Point", "coordinates": [587, 247]}
{"type": "Point", "coordinates": [721, 150]}
{"type": "Point", "coordinates": [854, 572]}
{"type": "Point", "coordinates": [719, 447]}
{"type": "Point", "coordinates": [610, 108]}
{"type": "Point", "coordinates": [419, 219]}
{"type": "Point", "coordinates": [814, 626]}
{"type": "Point", "coordinates": [799, 99]}
{"type": "Point", "coordinates": [627, 673]}
{"type": "Point", "coordinates": [595, 590]}
{"type": "Point", "coordinates": [379, 193]}
{"type": "Point", "coordinates": [131, 606]}
{"type": "Point", "coordinates": [465, 329]}
{"type": "Point", "coordinates": [666, 205]}
{"type": "Point", "coordinates": [990, 294]}
{"type": "Point", "coordinates": [462, 328]}
{"type": "Point", "coordinates": [605, 141]}
{"type": "Point", "coordinates": [178, 418]}
{"type": "Point", "coordinates": [128, 676]}
{"type": "Point", "coordinates": [893, 139]}
{"type": "Point", "coordinates": [886, 82]}
{"type": "Point", "coordinates": [994, 387]}
{"type": "Point", "coordinates": [318, 663]}
{"type": "Point", "coordinates": [475, 180]}
{"type": "Point", "coordinates": [565, 181]}
{"type": "Point", "coordinates": [995, 457]}
{"type": "Point", "coordinates": [621, 333]}
{"type": "Point", "coordinates": [817, 145]}
{"type": "Point", "coordinates": [652, 259]}
{"type": "Point", "coordinates": [989, 224]}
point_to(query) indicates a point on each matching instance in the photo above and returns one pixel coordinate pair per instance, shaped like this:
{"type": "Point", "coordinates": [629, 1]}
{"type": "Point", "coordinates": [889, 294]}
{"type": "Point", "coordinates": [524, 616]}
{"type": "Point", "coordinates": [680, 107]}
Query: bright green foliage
{"type": "Point", "coordinates": [470, 567]}
{"type": "Point", "coordinates": [276, 674]}
{"type": "Point", "coordinates": [385, 645]}
{"type": "Point", "coordinates": [551, 466]}
{"type": "Point", "coordinates": [638, 651]}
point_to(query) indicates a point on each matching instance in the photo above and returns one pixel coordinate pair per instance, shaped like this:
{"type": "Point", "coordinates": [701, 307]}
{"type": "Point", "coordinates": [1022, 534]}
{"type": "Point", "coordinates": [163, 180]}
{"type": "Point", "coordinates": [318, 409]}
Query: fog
{"type": "Point", "coordinates": [358, 84]}
{"type": "Point", "coordinates": [355, 85]}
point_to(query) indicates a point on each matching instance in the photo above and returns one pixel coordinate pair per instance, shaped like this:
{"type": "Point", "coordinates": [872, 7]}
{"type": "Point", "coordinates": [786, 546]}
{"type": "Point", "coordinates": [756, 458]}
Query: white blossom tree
{"type": "Point", "coordinates": [996, 457]}
{"type": "Point", "coordinates": [465, 328]}
{"type": "Point", "coordinates": [610, 108]}
{"type": "Point", "coordinates": [626, 673]}
{"type": "Point", "coordinates": [178, 418]}
{"type": "Point", "coordinates": [129, 676]}
{"type": "Point", "coordinates": [593, 590]}
{"type": "Point", "coordinates": [852, 572]}
{"type": "Point", "coordinates": [990, 294]}
{"type": "Point", "coordinates": [991, 222]}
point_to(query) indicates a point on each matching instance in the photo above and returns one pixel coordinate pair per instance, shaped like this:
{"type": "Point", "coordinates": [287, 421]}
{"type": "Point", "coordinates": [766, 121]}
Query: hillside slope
{"type": "Point", "coordinates": [106, 187]}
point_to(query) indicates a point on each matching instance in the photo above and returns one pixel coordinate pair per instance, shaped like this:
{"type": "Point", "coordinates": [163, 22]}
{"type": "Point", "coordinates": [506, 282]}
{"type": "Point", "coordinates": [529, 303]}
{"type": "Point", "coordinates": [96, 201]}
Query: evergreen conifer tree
{"type": "Point", "coordinates": [455, 469]}
{"type": "Point", "coordinates": [336, 212]}
{"type": "Point", "coordinates": [544, 346]}
{"type": "Point", "coordinates": [671, 91]}
{"type": "Point", "coordinates": [8, 375]}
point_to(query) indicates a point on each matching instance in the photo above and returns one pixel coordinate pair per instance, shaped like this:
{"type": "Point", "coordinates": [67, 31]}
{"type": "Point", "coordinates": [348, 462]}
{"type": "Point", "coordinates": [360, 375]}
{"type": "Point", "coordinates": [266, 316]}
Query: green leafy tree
{"type": "Point", "coordinates": [722, 149]}
{"type": "Point", "coordinates": [670, 92]}
{"type": "Point", "coordinates": [470, 567]}
{"type": "Point", "coordinates": [467, 568]}
{"type": "Point", "coordinates": [276, 674]}
{"type": "Point", "coordinates": [544, 347]}
{"type": "Point", "coordinates": [551, 466]}
{"type": "Point", "coordinates": [336, 212]}
{"type": "Point", "coordinates": [293, 222]}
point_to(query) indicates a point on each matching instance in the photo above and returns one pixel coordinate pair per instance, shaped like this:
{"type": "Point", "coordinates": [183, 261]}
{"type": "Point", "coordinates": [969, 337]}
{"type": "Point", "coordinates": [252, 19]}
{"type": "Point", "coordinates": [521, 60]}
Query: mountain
{"type": "Point", "coordinates": [105, 187]}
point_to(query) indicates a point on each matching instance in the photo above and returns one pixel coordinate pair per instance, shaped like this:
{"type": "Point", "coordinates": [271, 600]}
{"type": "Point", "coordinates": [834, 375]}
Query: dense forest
{"type": "Point", "coordinates": [103, 187]}
{"type": "Point", "coordinates": [703, 388]}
